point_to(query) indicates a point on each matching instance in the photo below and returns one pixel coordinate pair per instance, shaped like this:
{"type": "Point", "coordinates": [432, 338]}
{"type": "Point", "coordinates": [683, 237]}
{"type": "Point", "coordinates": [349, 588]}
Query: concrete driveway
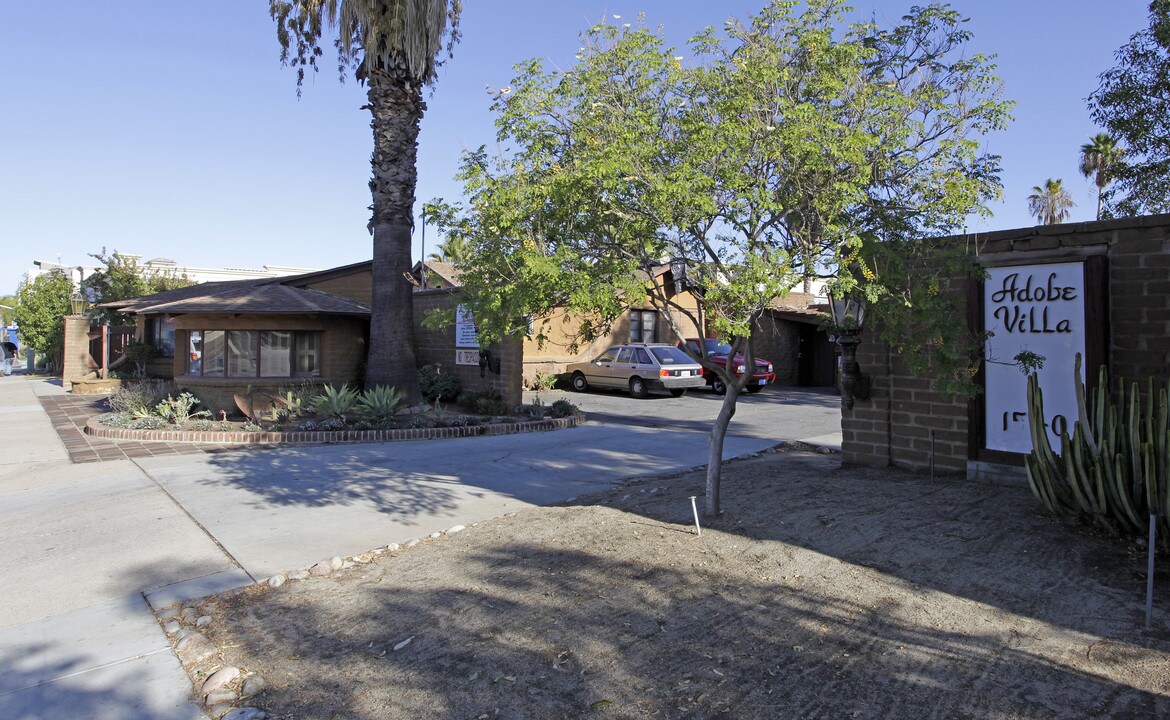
{"type": "Point", "coordinates": [88, 546]}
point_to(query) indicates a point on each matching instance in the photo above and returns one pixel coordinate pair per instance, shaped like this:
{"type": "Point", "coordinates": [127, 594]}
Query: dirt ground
{"type": "Point", "coordinates": [822, 592]}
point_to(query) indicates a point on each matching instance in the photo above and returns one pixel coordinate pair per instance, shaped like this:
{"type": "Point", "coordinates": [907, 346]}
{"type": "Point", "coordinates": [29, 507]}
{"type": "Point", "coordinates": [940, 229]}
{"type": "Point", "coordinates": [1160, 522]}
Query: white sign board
{"type": "Point", "coordinates": [465, 330]}
{"type": "Point", "coordinates": [1041, 309]}
{"type": "Point", "coordinates": [467, 357]}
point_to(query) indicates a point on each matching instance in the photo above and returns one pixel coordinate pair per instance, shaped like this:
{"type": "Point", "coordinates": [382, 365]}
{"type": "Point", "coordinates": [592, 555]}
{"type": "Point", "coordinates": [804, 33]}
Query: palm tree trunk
{"type": "Point", "coordinates": [1099, 189]}
{"type": "Point", "coordinates": [396, 107]}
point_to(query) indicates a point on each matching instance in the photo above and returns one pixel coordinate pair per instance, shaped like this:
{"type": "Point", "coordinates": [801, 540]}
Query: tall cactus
{"type": "Point", "coordinates": [1115, 466]}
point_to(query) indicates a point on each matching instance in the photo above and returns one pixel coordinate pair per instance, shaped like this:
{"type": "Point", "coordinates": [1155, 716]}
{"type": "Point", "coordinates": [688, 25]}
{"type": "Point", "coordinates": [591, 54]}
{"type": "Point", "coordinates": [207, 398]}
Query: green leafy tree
{"type": "Point", "coordinates": [1099, 158]}
{"type": "Point", "coordinates": [1132, 103]}
{"type": "Point", "coordinates": [791, 147]}
{"type": "Point", "coordinates": [1050, 204]}
{"type": "Point", "coordinates": [392, 46]}
{"type": "Point", "coordinates": [121, 277]}
{"type": "Point", "coordinates": [7, 309]}
{"type": "Point", "coordinates": [41, 306]}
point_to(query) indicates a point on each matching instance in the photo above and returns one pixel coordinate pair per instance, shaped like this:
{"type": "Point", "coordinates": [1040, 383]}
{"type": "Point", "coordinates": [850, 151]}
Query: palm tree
{"type": "Point", "coordinates": [1099, 157]}
{"type": "Point", "coordinates": [393, 47]}
{"type": "Point", "coordinates": [1050, 204]}
{"type": "Point", "coordinates": [454, 249]}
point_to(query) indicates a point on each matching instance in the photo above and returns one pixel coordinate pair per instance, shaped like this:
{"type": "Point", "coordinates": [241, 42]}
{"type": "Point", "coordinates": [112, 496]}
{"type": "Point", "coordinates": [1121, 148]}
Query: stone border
{"type": "Point", "coordinates": [305, 437]}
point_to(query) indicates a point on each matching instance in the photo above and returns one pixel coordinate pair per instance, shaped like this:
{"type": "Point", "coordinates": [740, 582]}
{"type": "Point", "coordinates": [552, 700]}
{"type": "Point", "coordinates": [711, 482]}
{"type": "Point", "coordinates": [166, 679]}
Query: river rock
{"type": "Point", "coordinates": [246, 713]}
{"type": "Point", "coordinates": [411, 542]}
{"type": "Point", "coordinates": [253, 686]}
{"type": "Point", "coordinates": [172, 627]}
{"type": "Point", "coordinates": [298, 575]}
{"type": "Point", "coordinates": [454, 529]}
{"type": "Point", "coordinates": [203, 621]}
{"type": "Point", "coordinates": [221, 695]}
{"type": "Point", "coordinates": [393, 546]}
{"type": "Point", "coordinates": [322, 568]}
{"type": "Point", "coordinates": [336, 562]}
{"type": "Point", "coordinates": [218, 679]}
{"type": "Point", "coordinates": [276, 581]}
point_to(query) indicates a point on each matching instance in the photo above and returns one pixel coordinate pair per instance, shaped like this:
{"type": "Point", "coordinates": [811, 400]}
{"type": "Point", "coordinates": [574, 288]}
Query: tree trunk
{"type": "Point", "coordinates": [715, 447]}
{"type": "Point", "coordinates": [396, 106]}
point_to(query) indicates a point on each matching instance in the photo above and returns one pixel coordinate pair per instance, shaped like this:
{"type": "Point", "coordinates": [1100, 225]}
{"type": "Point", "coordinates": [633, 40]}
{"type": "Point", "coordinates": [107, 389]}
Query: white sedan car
{"type": "Point", "coordinates": [639, 367]}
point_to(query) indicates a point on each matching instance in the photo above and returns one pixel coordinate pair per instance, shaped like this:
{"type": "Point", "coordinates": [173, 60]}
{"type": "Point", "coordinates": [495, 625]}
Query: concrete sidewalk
{"type": "Point", "coordinates": [81, 543]}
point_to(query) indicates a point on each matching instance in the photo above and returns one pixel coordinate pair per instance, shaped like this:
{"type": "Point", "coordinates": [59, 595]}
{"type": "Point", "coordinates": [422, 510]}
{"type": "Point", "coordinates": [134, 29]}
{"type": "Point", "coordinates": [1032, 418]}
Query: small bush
{"type": "Point", "coordinates": [488, 402]}
{"type": "Point", "coordinates": [543, 381]}
{"type": "Point", "coordinates": [117, 419]}
{"type": "Point", "coordinates": [178, 410]}
{"type": "Point", "coordinates": [210, 426]}
{"type": "Point", "coordinates": [136, 396]}
{"type": "Point", "coordinates": [563, 408]}
{"type": "Point", "coordinates": [378, 405]}
{"type": "Point", "coordinates": [149, 422]}
{"type": "Point", "coordinates": [434, 384]}
{"type": "Point", "coordinates": [335, 403]}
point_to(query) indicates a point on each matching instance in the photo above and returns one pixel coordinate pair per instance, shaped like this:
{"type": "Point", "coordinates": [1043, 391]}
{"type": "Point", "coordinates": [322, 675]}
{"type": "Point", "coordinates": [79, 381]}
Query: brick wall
{"type": "Point", "coordinates": [438, 346]}
{"type": "Point", "coordinates": [893, 427]}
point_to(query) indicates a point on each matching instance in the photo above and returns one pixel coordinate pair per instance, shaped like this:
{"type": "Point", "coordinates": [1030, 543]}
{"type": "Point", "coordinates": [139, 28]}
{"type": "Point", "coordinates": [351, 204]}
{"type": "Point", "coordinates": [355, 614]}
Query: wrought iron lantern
{"type": "Point", "coordinates": [848, 314]}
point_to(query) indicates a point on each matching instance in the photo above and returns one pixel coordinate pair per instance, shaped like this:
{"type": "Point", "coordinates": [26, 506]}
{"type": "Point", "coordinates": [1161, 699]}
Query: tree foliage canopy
{"type": "Point", "coordinates": [794, 144]}
{"type": "Point", "coordinates": [41, 306]}
{"type": "Point", "coordinates": [1132, 102]}
{"type": "Point", "coordinates": [370, 33]}
{"type": "Point", "coordinates": [121, 278]}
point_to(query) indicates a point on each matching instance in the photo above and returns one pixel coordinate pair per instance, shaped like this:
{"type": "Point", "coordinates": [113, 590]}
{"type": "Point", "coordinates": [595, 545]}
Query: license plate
{"type": "Point", "coordinates": [763, 382]}
{"type": "Point", "coordinates": [684, 373]}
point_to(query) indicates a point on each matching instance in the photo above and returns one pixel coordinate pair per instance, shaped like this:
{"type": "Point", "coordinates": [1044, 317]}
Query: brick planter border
{"type": "Point", "coordinates": [313, 437]}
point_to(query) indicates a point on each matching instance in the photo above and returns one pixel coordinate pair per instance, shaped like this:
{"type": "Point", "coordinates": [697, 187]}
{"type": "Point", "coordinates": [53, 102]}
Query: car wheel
{"type": "Point", "coordinates": [678, 393]}
{"type": "Point", "coordinates": [754, 388]}
{"type": "Point", "coordinates": [719, 386]}
{"type": "Point", "coordinates": [580, 384]}
{"type": "Point", "coordinates": [638, 388]}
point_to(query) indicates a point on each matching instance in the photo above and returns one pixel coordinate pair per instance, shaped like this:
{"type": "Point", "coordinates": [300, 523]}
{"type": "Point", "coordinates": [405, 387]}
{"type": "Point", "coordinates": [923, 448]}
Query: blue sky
{"type": "Point", "coordinates": [170, 129]}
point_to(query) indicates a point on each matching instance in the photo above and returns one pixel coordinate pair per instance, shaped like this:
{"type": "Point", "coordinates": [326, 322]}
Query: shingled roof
{"type": "Point", "coordinates": [263, 297]}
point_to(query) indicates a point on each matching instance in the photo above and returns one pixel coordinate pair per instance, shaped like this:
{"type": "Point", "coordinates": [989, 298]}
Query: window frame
{"type": "Point", "coordinates": [298, 347]}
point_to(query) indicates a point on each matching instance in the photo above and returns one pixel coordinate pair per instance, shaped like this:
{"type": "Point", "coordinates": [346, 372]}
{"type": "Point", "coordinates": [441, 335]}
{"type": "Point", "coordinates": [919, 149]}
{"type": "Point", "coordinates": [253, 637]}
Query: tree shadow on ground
{"type": "Point", "coordinates": [540, 628]}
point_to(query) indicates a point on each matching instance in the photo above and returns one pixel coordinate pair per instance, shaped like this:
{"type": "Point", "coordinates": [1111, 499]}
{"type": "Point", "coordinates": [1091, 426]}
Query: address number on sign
{"type": "Point", "coordinates": [467, 357]}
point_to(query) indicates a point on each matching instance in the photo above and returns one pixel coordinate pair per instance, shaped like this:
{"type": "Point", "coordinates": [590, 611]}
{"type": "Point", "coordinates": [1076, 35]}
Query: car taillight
{"type": "Point", "coordinates": [769, 367]}
{"type": "Point", "coordinates": [739, 370]}
{"type": "Point", "coordinates": [664, 373]}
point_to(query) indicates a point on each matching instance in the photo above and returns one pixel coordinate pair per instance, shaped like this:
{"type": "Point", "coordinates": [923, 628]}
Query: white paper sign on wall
{"type": "Point", "coordinates": [465, 329]}
{"type": "Point", "coordinates": [1041, 309]}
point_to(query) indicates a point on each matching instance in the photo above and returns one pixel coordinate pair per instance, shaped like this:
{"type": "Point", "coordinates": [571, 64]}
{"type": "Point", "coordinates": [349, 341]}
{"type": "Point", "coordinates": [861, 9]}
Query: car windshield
{"type": "Point", "coordinates": [717, 347]}
{"type": "Point", "coordinates": [672, 356]}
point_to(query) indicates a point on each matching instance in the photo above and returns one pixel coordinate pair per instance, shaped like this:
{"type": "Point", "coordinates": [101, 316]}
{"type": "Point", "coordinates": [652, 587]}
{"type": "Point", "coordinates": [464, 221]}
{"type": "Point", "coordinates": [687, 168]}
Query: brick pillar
{"type": "Point", "coordinates": [76, 362]}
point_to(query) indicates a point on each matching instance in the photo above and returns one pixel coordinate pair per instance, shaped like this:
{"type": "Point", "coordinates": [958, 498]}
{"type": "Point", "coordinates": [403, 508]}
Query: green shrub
{"type": "Point", "coordinates": [563, 408]}
{"type": "Point", "coordinates": [178, 410]}
{"type": "Point", "coordinates": [335, 403]}
{"type": "Point", "coordinates": [434, 384]}
{"type": "Point", "coordinates": [543, 381]}
{"type": "Point", "coordinates": [135, 396]}
{"type": "Point", "coordinates": [489, 402]}
{"type": "Point", "coordinates": [378, 405]}
{"type": "Point", "coordinates": [139, 353]}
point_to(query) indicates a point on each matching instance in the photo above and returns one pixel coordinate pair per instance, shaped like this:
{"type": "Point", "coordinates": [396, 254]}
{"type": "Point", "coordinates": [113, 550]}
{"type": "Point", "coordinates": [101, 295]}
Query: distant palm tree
{"type": "Point", "coordinates": [453, 250]}
{"type": "Point", "coordinates": [1099, 157]}
{"type": "Point", "coordinates": [1050, 204]}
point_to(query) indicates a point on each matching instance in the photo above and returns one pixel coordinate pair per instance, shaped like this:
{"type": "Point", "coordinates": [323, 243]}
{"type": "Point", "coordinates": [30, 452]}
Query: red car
{"type": "Point", "coordinates": [717, 352]}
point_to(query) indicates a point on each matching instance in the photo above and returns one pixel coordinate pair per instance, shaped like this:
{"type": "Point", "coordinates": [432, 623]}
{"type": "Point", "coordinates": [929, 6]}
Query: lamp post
{"type": "Point", "coordinates": [848, 314]}
{"type": "Point", "coordinates": [678, 271]}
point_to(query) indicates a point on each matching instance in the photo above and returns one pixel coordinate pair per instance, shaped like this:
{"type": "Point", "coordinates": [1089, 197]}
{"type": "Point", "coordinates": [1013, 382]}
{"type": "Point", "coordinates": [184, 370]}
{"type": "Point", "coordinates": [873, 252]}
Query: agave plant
{"type": "Point", "coordinates": [378, 405]}
{"type": "Point", "coordinates": [335, 402]}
